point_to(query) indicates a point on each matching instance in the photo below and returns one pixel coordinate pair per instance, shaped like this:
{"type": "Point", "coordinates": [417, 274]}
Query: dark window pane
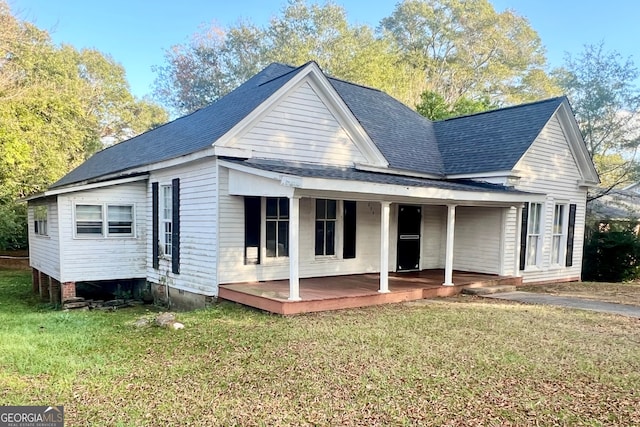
{"type": "Point", "coordinates": [120, 227]}
{"type": "Point", "coordinates": [271, 239]}
{"type": "Point", "coordinates": [252, 222]}
{"type": "Point", "coordinates": [331, 238]}
{"type": "Point", "coordinates": [283, 238]}
{"type": "Point", "coordinates": [349, 230]}
{"type": "Point", "coordinates": [331, 209]}
{"type": "Point", "coordinates": [319, 237]}
{"type": "Point", "coordinates": [272, 208]}
{"type": "Point", "coordinates": [321, 205]}
{"type": "Point", "coordinates": [89, 227]}
{"type": "Point", "coordinates": [284, 207]}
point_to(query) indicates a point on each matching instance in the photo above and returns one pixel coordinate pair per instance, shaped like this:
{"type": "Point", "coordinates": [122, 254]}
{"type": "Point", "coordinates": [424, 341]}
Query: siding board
{"type": "Point", "coordinates": [549, 167]}
{"type": "Point", "coordinates": [302, 128]}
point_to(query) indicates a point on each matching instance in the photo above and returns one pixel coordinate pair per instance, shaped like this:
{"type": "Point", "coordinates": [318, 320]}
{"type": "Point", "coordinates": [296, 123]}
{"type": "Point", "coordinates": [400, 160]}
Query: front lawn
{"type": "Point", "coordinates": [452, 362]}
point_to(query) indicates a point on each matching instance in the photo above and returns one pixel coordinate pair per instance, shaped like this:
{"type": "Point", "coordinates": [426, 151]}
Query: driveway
{"type": "Point", "coordinates": [569, 302]}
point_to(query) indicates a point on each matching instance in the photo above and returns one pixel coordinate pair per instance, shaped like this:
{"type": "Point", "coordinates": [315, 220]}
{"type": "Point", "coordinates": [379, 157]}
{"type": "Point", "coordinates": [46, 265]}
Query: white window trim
{"type": "Point", "coordinates": [267, 260]}
{"type": "Point", "coordinates": [338, 238]}
{"type": "Point", "coordinates": [105, 222]}
{"type": "Point", "coordinates": [163, 221]}
{"type": "Point", "coordinates": [36, 220]}
{"type": "Point", "coordinates": [541, 236]}
{"type": "Point", "coordinates": [563, 238]}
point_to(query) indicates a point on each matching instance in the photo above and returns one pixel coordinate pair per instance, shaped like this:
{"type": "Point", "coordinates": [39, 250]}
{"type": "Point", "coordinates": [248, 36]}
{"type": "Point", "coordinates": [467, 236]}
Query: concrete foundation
{"type": "Point", "coordinates": [176, 299]}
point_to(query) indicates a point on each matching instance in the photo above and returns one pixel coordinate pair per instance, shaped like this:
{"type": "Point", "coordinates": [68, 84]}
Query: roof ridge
{"type": "Point", "coordinates": [510, 107]}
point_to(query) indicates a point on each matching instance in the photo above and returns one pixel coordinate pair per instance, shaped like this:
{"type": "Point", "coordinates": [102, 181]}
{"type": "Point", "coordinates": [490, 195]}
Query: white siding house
{"type": "Point", "coordinates": [295, 175]}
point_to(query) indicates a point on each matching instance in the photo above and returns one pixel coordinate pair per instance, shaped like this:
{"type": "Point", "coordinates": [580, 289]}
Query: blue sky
{"type": "Point", "coordinates": [136, 32]}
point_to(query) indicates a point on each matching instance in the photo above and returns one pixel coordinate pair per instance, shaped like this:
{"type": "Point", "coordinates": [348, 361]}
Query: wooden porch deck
{"type": "Point", "coordinates": [360, 290]}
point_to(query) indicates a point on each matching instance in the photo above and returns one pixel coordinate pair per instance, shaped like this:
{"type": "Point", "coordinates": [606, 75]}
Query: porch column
{"type": "Point", "coordinates": [516, 261]}
{"type": "Point", "coordinates": [451, 226]}
{"type": "Point", "coordinates": [384, 247]}
{"type": "Point", "coordinates": [294, 244]}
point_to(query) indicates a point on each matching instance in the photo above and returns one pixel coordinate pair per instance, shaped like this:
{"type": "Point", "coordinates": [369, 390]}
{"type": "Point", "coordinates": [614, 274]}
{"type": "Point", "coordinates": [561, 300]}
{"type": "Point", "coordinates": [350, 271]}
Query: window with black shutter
{"type": "Point", "coordinates": [175, 231]}
{"type": "Point", "coordinates": [252, 220]}
{"type": "Point", "coordinates": [349, 230]}
{"type": "Point", "coordinates": [571, 234]}
{"type": "Point", "coordinates": [155, 211]}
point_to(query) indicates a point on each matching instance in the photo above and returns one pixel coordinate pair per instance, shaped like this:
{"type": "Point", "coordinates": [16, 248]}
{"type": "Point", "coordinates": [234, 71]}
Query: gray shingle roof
{"type": "Point", "coordinates": [185, 135]}
{"type": "Point", "coordinates": [483, 142]}
{"type": "Point", "coordinates": [307, 170]}
{"type": "Point", "coordinates": [405, 138]}
{"type": "Point", "coordinates": [493, 140]}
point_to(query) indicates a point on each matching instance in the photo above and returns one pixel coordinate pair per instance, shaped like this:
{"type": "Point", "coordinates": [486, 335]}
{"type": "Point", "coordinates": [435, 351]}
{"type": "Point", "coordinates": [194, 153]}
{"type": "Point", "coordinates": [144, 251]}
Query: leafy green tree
{"type": "Point", "coordinates": [455, 48]}
{"type": "Point", "coordinates": [601, 87]}
{"type": "Point", "coordinates": [58, 106]}
{"type": "Point", "coordinates": [434, 107]}
{"type": "Point", "coordinates": [217, 60]}
{"type": "Point", "coordinates": [464, 48]}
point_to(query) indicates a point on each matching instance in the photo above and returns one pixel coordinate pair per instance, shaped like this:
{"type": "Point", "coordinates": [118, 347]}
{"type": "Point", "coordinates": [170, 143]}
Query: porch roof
{"type": "Point", "coordinates": [348, 179]}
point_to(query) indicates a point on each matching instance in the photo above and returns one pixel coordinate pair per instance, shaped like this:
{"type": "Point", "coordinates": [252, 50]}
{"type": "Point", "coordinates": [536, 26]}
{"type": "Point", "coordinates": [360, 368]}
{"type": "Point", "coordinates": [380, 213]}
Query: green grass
{"type": "Point", "coordinates": [455, 362]}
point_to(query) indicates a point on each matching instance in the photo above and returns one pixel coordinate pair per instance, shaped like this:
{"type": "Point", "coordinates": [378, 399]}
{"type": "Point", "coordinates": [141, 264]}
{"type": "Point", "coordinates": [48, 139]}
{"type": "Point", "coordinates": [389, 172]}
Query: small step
{"type": "Point", "coordinates": [489, 290]}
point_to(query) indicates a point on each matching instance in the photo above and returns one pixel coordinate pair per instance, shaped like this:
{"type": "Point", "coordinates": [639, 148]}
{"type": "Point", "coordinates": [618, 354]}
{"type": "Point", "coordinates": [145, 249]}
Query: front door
{"type": "Point", "coordinates": [409, 225]}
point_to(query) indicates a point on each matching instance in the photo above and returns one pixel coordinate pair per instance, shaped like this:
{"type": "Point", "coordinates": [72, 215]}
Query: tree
{"type": "Point", "coordinates": [455, 48]}
{"type": "Point", "coordinates": [58, 106]}
{"type": "Point", "coordinates": [463, 48]}
{"type": "Point", "coordinates": [601, 87]}
{"type": "Point", "coordinates": [434, 107]}
{"type": "Point", "coordinates": [217, 60]}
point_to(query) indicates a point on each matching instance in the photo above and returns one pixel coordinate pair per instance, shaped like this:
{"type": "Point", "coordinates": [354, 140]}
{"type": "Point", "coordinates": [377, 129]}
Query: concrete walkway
{"type": "Point", "coordinates": [569, 302]}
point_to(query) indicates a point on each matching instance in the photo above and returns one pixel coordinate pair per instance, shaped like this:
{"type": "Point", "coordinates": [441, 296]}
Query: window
{"type": "Point", "coordinates": [277, 227]}
{"type": "Point", "coordinates": [166, 218]}
{"type": "Point", "coordinates": [326, 227]}
{"type": "Point", "coordinates": [559, 236]}
{"type": "Point", "coordinates": [252, 229]}
{"type": "Point", "coordinates": [89, 220]}
{"type": "Point", "coordinates": [349, 229]}
{"type": "Point", "coordinates": [534, 234]}
{"type": "Point", "coordinates": [40, 215]}
{"type": "Point", "coordinates": [120, 220]}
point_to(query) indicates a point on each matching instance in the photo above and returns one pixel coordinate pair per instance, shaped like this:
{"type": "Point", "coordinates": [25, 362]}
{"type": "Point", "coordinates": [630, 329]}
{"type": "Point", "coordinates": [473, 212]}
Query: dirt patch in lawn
{"type": "Point", "coordinates": [622, 293]}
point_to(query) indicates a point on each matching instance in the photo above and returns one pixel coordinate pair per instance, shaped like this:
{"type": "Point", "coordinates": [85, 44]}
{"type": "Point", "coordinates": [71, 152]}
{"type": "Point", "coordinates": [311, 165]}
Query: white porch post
{"type": "Point", "coordinates": [384, 247]}
{"type": "Point", "coordinates": [516, 261]}
{"type": "Point", "coordinates": [294, 244]}
{"type": "Point", "coordinates": [451, 225]}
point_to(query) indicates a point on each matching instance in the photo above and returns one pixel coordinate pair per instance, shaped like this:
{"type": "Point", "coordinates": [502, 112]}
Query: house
{"type": "Point", "coordinates": [296, 175]}
{"type": "Point", "coordinates": [614, 206]}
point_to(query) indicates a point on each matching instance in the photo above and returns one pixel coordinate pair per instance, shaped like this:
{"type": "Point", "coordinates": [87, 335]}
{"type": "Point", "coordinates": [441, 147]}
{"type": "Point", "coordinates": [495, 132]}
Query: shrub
{"type": "Point", "coordinates": [612, 254]}
{"type": "Point", "coordinates": [13, 226]}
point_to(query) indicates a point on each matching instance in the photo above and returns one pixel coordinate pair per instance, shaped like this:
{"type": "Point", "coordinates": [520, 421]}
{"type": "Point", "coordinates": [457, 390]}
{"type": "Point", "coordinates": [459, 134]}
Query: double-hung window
{"type": "Point", "coordinates": [120, 220]}
{"type": "Point", "coordinates": [277, 227]}
{"type": "Point", "coordinates": [326, 227]}
{"type": "Point", "coordinates": [559, 234]}
{"type": "Point", "coordinates": [90, 220]}
{"type": "Point", "coordinates": [40, 215]}
{"type": "Point", "coordinates": [534, 234]}
{"type": "Point", "coordinates": [167, 218]}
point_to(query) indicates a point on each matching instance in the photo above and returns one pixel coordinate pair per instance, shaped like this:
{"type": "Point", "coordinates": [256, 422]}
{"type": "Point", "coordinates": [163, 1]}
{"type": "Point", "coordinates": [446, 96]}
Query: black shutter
{"type": "Point", "coordinates": [175, 226]}
{"type": "Point", "coordinates": [523, 236]}
{"type": "Point", "coordinates": [252, 220]}
{"type": "Point", "coordinates": [349, 230]}
{"type": "Point", "coordinates": [571, 234]}
{"type": "Point", "coordinates": [154, 221]}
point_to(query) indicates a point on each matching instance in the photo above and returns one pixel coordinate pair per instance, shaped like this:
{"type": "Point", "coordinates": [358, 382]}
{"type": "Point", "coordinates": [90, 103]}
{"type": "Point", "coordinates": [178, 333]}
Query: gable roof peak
{"type": "Point", "coordinates": [558, 99]}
